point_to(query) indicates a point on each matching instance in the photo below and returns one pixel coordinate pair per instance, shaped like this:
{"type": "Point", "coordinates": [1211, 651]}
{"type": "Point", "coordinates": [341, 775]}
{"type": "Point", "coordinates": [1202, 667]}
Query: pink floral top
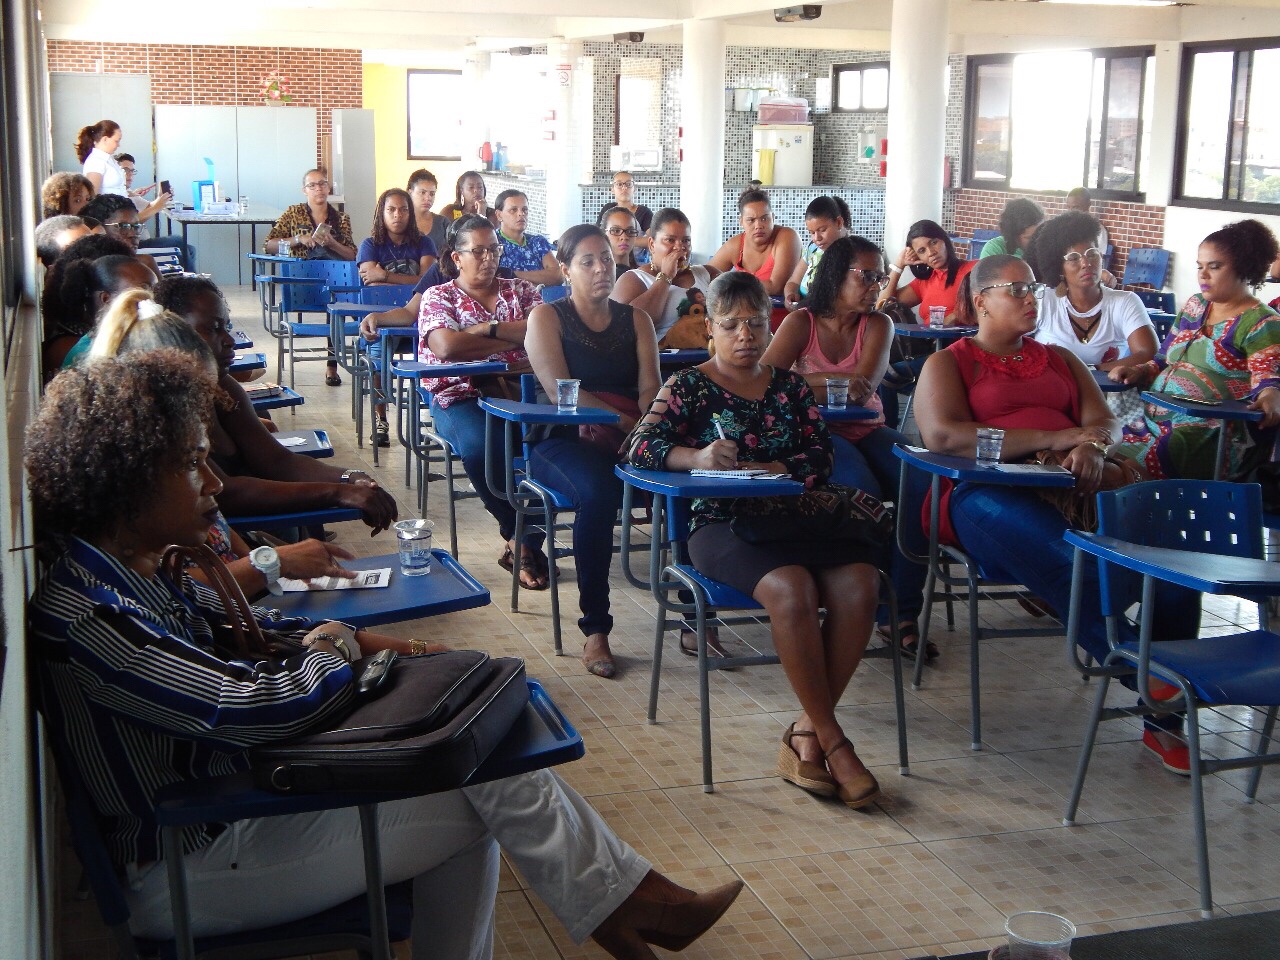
{"type": "Point", "coordinates": [449, 307]}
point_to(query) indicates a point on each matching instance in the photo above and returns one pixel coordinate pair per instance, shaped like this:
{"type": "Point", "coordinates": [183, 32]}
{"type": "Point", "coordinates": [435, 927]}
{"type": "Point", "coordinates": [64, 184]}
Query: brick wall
{"type": "Point", "coordinates": [1128, 224]}
{"type": "Point", "coordinates": [323, 78]}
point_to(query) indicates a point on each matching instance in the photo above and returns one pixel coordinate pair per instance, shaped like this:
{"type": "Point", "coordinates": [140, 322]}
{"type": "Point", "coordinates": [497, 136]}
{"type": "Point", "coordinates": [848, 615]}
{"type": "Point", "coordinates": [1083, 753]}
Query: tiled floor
{"type": "Point", "coordinates": [966, 839]}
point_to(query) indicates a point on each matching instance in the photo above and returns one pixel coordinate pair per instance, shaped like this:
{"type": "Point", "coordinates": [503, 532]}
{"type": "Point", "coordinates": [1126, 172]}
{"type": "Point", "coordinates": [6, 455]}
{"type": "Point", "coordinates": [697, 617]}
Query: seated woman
{"type": "Point", "coordinates": [612, 349]}
{"type": "Point", "coordinates": [1043, 398]}
{"type": "Point", "coordinates": [260, 476]}
{"type": "Point", "coordinates": [135, 673]}
{"type": "Point", "coordinates": [135, 324]}
{"type": "Point", "coordinates": [772, 421]}
{"type": "Point", "coordinates": [476, 316]}
{"type": "Point", "coordinates": [1273, 276]}
{"type": "Point", "coordinates": [668, 288]}
{"type": "Point", "coordinates": [840, 322]}
{"type": "Point", "coordinates": [1225, 344]}
{"type": "Point", "coordinates": [83, 280]}
{"type": "Point", "coordinates": [827, 219]}
{"type": "Point", "coordinates": [469, 198]}
{"type": "Point", "coordinates": [119, 218]}
{"type": "Point", "coordinates": [767, 251]}
{"type": "Point", "coordinates": [1018, 222]}
{"type": "Point", "coordinates": [623, 230]}
{"type": "Point", "coordinates": [395, 252]}
{"type": "Point", "coordinates": [623, 187]}
{"type": "Point", "coordinates": [55, 234]}
{"type": "Point", "coordinates": [65, 193]}
{"type": "Point", "coordinates": [422, 187]}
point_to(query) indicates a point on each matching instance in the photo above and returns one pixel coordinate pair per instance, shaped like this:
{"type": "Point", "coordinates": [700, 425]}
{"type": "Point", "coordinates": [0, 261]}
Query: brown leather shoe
{"type": "Point", "coordinates": [664, 914]}
{"type": "Point", "coordinates": [862, 789]}
{"type": "Point", "coordinates": [805, 774]}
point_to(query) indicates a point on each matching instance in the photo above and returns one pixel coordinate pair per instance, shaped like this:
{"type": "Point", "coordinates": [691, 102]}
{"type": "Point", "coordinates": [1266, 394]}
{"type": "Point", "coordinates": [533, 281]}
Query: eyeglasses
{"type": "Point", "coordinates": [1018, 289]}
{"type": "Point", "coordinates": [482, 253]}
{"type": "Point", "coordinates": [622, 232]}
{"type": "Point", "coordinates": [732, 325]}
{"type": "Point", "coordinates": [1093, 255]}
{"type": "Point", "coordinates": [315, 184]}
{"type": "Point", "coordinates": [623, 183]}
{"type": "Point", "coordinates": [870, 278]}
{"type": "Point", "coordinates": [125, 227]}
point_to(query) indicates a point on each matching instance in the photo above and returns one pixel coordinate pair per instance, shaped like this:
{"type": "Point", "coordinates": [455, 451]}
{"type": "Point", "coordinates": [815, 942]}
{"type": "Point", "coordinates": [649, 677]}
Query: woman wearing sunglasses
{"type": "Point", "coordinates": [839, 334]}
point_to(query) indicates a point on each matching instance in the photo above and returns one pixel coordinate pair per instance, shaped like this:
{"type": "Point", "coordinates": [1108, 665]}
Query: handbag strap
{"type": "Point", "coordinates": [248, 636]}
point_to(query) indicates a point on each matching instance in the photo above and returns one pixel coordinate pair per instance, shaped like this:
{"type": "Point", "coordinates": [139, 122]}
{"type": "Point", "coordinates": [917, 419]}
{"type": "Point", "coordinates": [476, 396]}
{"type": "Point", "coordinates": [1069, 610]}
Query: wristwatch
{"type": "Point", "coordinates": [267, 562]}
{"type": "Point", "coordinates": [493, 329]}
{"type": "Point", "coordinates": [339, 644]}
{"type": "Point", "coordinates": [348, 474]}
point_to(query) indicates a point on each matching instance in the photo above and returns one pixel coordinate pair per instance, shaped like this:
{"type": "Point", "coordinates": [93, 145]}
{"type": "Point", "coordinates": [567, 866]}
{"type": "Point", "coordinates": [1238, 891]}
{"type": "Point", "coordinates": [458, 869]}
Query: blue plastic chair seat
{"type": "Point", "coordinates": [719, 594]}
{"type": "Point", "coordinates": [320, 329]}
{"type": "Point", "coordinates": [557, 499]}
{"type": "Point", "coordinates": [1240, 668]}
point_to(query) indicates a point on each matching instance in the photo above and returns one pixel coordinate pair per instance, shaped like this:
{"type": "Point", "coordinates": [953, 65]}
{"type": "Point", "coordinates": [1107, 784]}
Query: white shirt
{"type": "Point", "coordinates": [104, 164]}
{"type": "Point", "coordinates": [1121, 314]}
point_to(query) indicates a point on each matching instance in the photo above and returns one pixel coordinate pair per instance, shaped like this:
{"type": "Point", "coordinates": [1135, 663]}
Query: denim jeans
{"type": "Point", "coordinates": [1016, 536]}
{"type": "Point", "coordinates": [870, 465]}
{"type": "Point", "coordinates": [462, 424]}
{"type": "Point", "coordinates": [905, 372]}
{"type": "Point", "coordinates": [584, 473]}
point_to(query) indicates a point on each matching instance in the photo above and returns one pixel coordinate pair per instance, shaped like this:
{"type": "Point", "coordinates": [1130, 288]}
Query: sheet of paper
{"type": "Point", "coordinates": [1030, 468]}
{"type": "Point", "coordinates": [292, 441]}
{"type": "Point", "coordinates": [364, 580]}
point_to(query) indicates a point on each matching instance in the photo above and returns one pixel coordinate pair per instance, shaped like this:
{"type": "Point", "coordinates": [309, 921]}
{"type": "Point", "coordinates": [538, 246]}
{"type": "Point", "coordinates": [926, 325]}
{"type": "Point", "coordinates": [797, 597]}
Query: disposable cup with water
{"type": "Point", "coordinates": [937, 316]}
{"type": "Point", "coordinates": [990, 442]}
{"type": "Point", "coordinates": [837, 392]}
{"type": "Point", "coordinates": [1036, 935]}
{"type": "Point", "coordinates": [414, 538]}
{"type": "Point", "coordinates": [567, 395]}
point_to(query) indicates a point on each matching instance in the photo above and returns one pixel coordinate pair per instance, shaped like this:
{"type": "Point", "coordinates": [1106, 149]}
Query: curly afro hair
{"type": "Point", "coordinates": [1054, 238]}
{"type": "Point", "coordinates": [105, 434]}
{"type": "Point", "coordinates": [1250, 247]}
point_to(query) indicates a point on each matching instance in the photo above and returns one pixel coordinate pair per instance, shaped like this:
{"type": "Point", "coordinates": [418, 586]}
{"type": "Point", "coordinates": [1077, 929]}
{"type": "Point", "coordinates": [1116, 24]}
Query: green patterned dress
{"type": "Point", "coordinates": [1236, 358]}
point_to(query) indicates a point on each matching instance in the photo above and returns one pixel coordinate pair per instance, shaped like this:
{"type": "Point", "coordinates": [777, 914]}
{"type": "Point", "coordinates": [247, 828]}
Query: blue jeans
{"type": "Point", "coordinates": [1016, 536]}
{"type": "Point", "coordinates": [462, 424]}
{"type": "Point", "coordinates": [584, 473]}
{"type": "Point", "coordinates": [870, 465]}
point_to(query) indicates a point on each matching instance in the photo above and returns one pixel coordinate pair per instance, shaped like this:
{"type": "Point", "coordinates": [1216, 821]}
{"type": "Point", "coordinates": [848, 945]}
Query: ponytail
{"type": "Point", "coordinates": [90, 135]}
{"type": "Point", "coordinates": [965, 316]}
{"type": "Point", "coordinates": [135, 323]}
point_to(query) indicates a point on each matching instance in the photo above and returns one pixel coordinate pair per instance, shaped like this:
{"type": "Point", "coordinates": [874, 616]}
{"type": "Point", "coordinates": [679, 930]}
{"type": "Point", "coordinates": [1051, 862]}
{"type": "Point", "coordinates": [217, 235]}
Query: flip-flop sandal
{"type": "Point", "coordinates": [908, 629]}
{"type": "Point", "coordinates": [528, 565]}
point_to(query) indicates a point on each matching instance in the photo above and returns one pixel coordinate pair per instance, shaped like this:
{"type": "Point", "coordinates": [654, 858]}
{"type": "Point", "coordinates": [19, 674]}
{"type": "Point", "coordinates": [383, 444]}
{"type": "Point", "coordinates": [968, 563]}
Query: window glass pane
{"type": "Point", "coordinates": [991, 125]}
{"type": "Point", "coordinates": [436, 102]}
{"type": "Point", "coordinates": [1095, 121]}
{"type": "Point", "coordinates": [1207, 127]}
{"type": "Point", "coordinates": [1262, 148]}
{"type": "Point", "coordinates": [1120, 146]}
{"type": "Point", "coordinates": [850, 82]}
{"type": "Point", "coordinates": [875, 89]}
{"type": "Point", "coordinates": [1051, 104]}
{"type": "Point", "coordinates": [1148, 100]}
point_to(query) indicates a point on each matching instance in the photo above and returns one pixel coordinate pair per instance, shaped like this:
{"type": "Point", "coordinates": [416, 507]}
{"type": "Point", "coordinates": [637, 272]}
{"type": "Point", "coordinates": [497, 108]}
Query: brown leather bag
{"type": "Point", "coordinates": [1081, 509]}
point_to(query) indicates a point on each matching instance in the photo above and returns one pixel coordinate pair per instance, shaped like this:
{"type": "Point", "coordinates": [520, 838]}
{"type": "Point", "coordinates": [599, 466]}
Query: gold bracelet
{"type": "Point", "coordinates": [417, 647]}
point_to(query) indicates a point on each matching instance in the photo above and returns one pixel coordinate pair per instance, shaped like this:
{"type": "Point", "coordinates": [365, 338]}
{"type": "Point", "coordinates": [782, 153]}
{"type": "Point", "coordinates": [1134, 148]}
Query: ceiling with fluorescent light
{"type": "Point", "coordinates": [416, 26]}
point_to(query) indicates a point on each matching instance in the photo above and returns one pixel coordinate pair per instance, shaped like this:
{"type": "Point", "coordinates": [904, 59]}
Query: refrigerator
{"type": "Point", "coordinates": [782, 154]}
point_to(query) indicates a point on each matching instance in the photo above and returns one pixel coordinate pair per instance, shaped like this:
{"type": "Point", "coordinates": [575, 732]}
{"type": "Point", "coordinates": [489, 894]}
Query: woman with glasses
{"type": "Point", "coordinates": [839, 334]}
{"type": "Point", "coordinates": [623, 187]}
{"type": "Point", "coordinates": [623, 230]}
{"type": "Point", "coordinates": [669, 287]}
{"type": "Point", "coordinates": [763, 249]}
{"type": "Point", "coordinates": [734, 411]}
{"type": "Point", "coordinates": [478, 316]}
{"type": "Point", "coordinates": [119, 218]}
{"type": "Point", "coordinates": [1225, 344]}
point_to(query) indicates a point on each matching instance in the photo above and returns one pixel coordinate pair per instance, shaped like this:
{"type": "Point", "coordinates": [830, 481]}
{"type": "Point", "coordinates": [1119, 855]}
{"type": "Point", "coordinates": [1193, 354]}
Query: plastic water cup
{"type": "Point", "coordinates": [567, 395]}
{"type": "Point", "coordinates": [414, 537]}
{"type": "Point", "coordinates": [937, 317]}
{"type": "Point", "coordinates": [837, 392]}
{"type": "Point", "coordinates": [990, 441]}
{"type": "Point", "coordinates": [1035, 935]}
{"type": "Point", "coordinates": [243, 204]}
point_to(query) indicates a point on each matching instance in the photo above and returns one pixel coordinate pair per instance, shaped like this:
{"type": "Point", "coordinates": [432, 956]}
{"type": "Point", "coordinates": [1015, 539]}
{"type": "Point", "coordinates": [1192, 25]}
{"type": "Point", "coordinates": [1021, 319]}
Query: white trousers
{"type": "Point", "coordinates": [273, 870]}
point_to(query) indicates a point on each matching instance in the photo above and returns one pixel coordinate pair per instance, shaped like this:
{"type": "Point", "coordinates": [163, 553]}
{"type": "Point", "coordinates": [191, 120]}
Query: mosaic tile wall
{"type": "Point", "coordinates": [607, 56]}
{"type": "Point", "coordinates": [535, 190]}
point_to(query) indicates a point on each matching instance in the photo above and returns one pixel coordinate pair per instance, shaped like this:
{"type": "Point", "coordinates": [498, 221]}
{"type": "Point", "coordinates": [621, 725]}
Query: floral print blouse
{"type": "Point", "coordinates": [784, 426]}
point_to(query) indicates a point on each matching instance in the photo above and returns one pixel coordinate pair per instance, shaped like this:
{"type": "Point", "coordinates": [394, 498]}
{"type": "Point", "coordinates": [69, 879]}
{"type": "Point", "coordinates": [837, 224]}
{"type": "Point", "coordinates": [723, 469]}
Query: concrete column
{"type": "Point", "coordinates": [1159, 157]}
{"type": "Point", "coordinates": [702, 118]}
{"type": "Point", "coordinates": [917, 116]}
{"type": "Point", "coordinates": [565, 69]}
{"type": "Point", "coordinates": [475, 78]}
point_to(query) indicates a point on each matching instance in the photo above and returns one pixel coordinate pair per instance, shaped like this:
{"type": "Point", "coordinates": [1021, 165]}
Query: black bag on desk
{"type": "Point", "coordinates": [437, 718]}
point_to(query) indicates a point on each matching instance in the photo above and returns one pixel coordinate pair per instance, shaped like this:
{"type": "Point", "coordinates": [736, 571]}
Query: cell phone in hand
{"type": "Point", "coordinates": [166, 187]}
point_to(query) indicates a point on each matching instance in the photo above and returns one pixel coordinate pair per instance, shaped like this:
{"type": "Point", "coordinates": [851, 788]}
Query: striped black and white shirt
{"type": "Point", "coordinates": [143, 697]}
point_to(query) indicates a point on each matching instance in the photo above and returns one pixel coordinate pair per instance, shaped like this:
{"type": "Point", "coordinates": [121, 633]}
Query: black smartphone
{"type": "Point", "coordinates": [166, 187]}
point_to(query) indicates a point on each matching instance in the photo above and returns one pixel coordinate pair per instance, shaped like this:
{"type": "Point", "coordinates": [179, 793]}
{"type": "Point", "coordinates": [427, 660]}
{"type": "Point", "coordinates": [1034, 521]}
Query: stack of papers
{"type": "Point", "coordinates": [363, 580]}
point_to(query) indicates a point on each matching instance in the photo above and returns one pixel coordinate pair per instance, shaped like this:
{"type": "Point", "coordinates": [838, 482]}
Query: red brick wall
{"type": "Point", "coordinates": [1128, 224]}
{"type": "Point", "coordinates": [326, 79]}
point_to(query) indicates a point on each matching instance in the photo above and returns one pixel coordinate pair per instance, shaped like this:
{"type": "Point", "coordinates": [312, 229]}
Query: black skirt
{"type": "Point", "coordinates": [721, 554]}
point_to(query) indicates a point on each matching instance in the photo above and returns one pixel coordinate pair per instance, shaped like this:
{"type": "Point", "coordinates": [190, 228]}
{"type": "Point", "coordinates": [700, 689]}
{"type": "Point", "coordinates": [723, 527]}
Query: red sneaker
{"type": "Point", "coordinates": [1175, 759]}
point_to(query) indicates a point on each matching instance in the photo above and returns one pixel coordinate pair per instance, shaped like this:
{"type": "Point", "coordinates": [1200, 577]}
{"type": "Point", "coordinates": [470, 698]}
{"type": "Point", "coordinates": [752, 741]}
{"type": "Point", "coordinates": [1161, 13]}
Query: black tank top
{"type": "Point", "coordinates": [605, 361]}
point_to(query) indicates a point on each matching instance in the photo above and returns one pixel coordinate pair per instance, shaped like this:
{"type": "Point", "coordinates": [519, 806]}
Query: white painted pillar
{"type": "Point", "coordinates": [563, 154]}
{"type": "Point", "coordinates": [702, 118]}
{"type": "Point", "coordinates": [475, 78]}
{"type": "Point", "coordinates": [917, 116]}
{"type": "Point", "coordinates": [1157, 184]}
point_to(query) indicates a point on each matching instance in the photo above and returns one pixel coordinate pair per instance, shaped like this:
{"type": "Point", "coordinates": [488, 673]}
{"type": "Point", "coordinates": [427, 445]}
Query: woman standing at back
{"type": "Point", "coordinates": [96, 146]}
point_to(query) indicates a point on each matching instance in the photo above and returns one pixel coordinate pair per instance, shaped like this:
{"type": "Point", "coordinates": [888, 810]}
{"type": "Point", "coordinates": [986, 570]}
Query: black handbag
{"type": "Point", "coordinates": [833, 516]}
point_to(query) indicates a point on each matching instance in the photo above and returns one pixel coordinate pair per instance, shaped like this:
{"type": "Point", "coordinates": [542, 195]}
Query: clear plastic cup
{"type": "Point", "coordinates": [990, 442]}
{"type": "Point", "coordinates": [414, 538]}
{"type": "Point", "coordinates": [837, 392]}
{"type": "Point", "coordinates": [937, 316]}
{"type": "Point", "coordinates": [567, 395]}
{"type": "Point", "coordinates": [1036, 935]}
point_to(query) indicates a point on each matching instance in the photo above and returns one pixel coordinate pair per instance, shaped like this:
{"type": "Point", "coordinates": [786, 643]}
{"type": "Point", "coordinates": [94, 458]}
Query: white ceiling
{"type": "Point", "coordinates": [441, 25]}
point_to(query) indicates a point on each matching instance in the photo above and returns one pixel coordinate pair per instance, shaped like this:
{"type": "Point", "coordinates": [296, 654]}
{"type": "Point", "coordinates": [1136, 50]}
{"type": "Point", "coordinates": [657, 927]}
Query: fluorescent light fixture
{"type": "Point", "coordinates": [1120, 3]}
